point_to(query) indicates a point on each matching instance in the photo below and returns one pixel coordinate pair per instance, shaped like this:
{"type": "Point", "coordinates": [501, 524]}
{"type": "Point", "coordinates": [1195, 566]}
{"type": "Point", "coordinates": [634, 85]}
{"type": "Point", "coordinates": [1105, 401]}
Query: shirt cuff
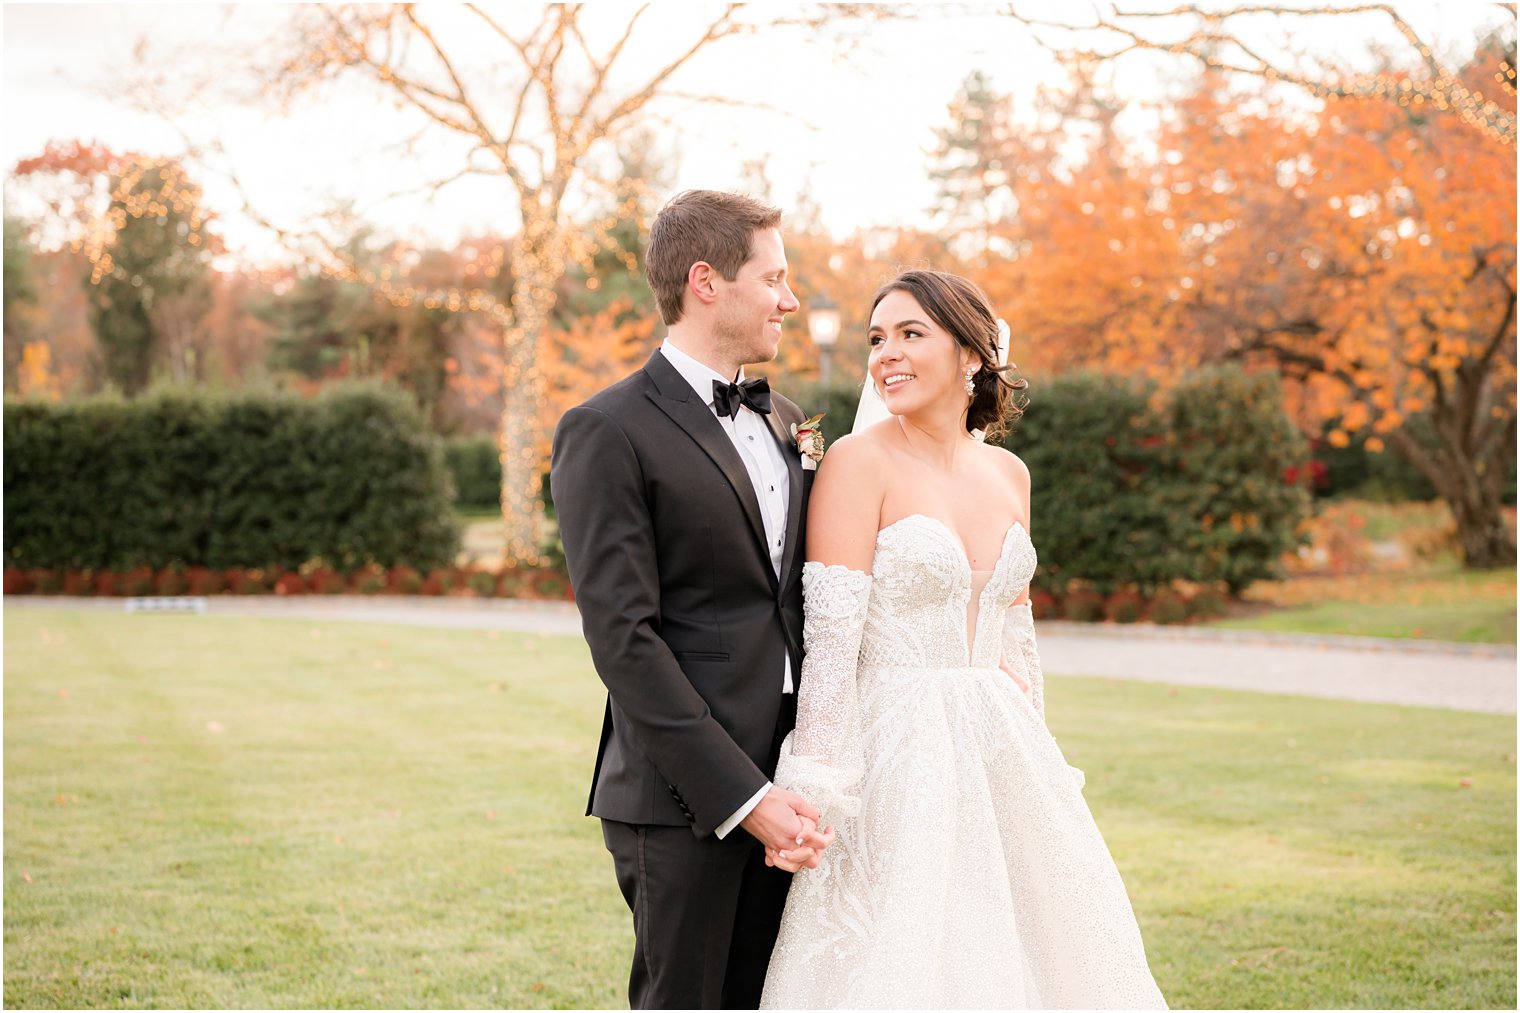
{"type": "Point", "coordinates": [739, 814]}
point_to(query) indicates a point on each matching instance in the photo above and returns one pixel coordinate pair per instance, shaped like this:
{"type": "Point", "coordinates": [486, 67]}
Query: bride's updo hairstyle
{"type": "Point", "coordinates": [962, 310]}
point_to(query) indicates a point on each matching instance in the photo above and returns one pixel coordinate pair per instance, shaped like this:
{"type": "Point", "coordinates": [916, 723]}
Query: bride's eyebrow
{"type": "Point", "coordinates": [899, 326]}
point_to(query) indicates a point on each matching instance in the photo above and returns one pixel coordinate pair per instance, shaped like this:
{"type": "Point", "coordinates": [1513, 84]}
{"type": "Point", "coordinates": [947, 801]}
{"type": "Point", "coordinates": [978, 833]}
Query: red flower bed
{"type": "Point", "coordinates": [141, 581]}
{"type": "Point", "coordinates": [16, 580]}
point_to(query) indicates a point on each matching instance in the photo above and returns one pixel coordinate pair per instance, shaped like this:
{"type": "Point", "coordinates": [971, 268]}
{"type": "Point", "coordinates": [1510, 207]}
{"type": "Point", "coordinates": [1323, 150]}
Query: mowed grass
{"type": "Point", "coordinates": [1438, 603]}
{"type": "Point", "coordinates": [219, 812]}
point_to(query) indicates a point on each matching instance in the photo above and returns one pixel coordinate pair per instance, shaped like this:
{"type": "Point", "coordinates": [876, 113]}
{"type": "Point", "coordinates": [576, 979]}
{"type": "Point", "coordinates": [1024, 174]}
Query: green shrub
{"type": "Point", "coordinates": [1139, 488]}
{"type": "Point", "coordinates": [475, 465]}
{"type": "Point", "coordinates": [1229, 447]}
{"type": "Point", "coordinates": [189, 478]}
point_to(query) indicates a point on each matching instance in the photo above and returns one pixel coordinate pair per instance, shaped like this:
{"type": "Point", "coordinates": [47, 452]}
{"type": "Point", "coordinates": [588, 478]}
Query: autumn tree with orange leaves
{"type": "Point", "coordinates": [1366, 251]}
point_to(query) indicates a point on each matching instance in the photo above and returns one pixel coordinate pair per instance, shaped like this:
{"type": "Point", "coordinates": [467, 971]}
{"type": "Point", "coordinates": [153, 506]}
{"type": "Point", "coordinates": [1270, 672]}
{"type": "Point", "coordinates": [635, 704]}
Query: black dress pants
{"type": "Point", "coordinates": [705, 912]}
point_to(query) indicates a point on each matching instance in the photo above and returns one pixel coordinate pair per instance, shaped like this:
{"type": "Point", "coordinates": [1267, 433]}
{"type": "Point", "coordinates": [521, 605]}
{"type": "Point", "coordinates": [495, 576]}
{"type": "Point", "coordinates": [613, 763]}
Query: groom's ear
{"type": "Point", "coordinates": [701, 282]}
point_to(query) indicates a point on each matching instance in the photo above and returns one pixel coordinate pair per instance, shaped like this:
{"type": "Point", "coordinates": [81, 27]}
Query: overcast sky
{"type": "Point", "coordinates": [865, 164]}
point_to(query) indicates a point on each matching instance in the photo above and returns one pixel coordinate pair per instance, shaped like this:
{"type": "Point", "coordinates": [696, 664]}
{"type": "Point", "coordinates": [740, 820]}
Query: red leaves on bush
{"type": "Point", "coordinates": [404, 580]}
{"type": "Point", "coordinates": [322, 581]}
{"type": "Point", "coordinates": [200, 581]}
{"type": "Point", "coordinates": [171, 582]}
{"type": "Point", "coordinates": [77, 582]}
{"type": "Point", "coordinates": [1082, 606]}
{"type": "Point", "coordinates": [546, 584]}
{"type": "Point", "coordinates": [140, 581]}
{"type": "Point", "coordinates": [289, 583]}
{"type": "Point", "coordinates": [1124, 607]}
{"type": "Point", "coordinates": [1042, 603]}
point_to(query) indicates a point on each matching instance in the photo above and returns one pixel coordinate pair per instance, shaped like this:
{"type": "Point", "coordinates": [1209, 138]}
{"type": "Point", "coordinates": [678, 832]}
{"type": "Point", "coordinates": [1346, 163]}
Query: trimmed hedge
{"type": "Point", "coordinates": [190, 478]}
{"type": "Point", "coordinates": [1136, 488]}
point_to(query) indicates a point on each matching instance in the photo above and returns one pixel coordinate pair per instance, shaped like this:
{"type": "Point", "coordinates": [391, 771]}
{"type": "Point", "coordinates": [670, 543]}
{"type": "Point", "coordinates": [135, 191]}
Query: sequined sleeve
{"type": "Point", "coordinates": [821, 759]}
{"type": "Point", "coordinates": [1019, 650]}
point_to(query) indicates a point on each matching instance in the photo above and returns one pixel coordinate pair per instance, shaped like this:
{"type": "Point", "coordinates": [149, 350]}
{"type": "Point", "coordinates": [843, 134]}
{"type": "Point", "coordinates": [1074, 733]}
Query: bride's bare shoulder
{"type": "Point", "coordinates": [854, 457]}
{"type": "Point", "coordinates": [1009, 463]}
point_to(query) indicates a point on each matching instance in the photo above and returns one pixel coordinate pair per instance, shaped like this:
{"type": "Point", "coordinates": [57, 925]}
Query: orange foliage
{"type": "Point", "coordinates": [1366, 251]}
{"type": "Point", "coordinates": [35, 376]}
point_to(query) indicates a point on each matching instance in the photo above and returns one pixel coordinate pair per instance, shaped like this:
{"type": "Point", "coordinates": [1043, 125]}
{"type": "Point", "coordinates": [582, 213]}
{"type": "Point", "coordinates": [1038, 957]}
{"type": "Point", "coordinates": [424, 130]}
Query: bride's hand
{"type": "Point", "coordinates": [1018, 679]}
{"type": "Point", "coordinates": [812, 842]}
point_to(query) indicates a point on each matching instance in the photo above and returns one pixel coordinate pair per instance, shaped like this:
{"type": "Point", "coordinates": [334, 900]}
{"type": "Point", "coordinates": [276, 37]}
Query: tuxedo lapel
{"type": "Point", "coordinates": [782, 431]}
{"type": "Point", "coordinates": [674, 396]}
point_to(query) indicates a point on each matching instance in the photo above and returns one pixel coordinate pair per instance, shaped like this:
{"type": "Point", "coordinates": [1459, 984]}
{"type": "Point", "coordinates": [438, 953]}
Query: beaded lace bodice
{"type": "Point", "coordinates": [921, 594]}
{"type": "Point", "coordinates": [914, 611]}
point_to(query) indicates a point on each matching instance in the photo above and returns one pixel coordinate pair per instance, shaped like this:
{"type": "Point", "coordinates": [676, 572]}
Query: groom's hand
{"type": "Point", "coordinates": [777, 822]}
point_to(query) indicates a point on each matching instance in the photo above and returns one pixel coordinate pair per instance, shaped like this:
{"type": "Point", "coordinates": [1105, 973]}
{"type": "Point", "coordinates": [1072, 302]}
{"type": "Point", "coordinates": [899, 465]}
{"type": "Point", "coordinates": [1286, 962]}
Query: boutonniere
{"type": "Point", "coordinates": [809, 437]}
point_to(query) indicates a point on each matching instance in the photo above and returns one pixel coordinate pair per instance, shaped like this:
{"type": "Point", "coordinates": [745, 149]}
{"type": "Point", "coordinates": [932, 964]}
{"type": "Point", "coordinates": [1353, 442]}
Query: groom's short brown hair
{"type": "Point", "coordinates": [701, 225]}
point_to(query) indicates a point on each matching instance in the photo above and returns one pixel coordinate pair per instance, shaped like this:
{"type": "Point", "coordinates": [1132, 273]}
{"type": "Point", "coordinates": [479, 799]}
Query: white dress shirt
{"type": "Point", "coordinates": [762, 456]}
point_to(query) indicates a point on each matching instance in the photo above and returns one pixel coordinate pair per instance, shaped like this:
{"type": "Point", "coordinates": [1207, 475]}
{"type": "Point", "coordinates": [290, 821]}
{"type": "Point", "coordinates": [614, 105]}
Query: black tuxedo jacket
{"type": "Point", "coordinates": [688, 625]}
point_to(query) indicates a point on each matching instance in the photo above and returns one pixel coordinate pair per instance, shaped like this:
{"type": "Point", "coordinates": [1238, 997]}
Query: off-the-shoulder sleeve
{"type": "Point", "coordinates": [822, 758]}
{"type": "Point", "coordinates": [1020, 651]}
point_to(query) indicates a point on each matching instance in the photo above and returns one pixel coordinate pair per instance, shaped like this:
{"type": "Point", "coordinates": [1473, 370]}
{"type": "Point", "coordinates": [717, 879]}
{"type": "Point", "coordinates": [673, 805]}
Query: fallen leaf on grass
{"type": "Point", "coordinates": [213, 726]}
{"type": "Point", "coordinates": [27, 876]}
{"type": "Point", "coordinates": [538, 986]}
{"type": "Point", "coordinates": [1466, 782]}
{"type": "Point", "coordinates": [63, 693]}
{"type": "Point", "coordinates": [490, 814]}
{"type": "Point", "coordinates": [381, 664]}
{"type": "Point", "coordinates": [337, 838]}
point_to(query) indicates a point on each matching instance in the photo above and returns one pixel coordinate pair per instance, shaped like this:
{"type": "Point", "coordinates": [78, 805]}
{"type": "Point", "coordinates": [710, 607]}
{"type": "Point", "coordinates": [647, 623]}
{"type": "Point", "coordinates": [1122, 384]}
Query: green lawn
{"type": "Point", "coordinates": [1432, 603]}
{"type": "Point", "coordinates": [219, 812]}
{"type": "Point", "coordinates": [1474, 623]}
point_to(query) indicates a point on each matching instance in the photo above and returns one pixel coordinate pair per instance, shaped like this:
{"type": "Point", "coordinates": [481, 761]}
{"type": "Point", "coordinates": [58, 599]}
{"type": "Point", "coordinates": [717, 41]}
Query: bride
{"type": "Point", "coordinates": [965, 868]}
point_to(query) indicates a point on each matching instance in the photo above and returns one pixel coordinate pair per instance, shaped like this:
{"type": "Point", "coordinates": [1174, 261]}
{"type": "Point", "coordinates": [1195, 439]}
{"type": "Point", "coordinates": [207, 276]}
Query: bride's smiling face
{"type": "Point", "coordinates": [914, 362]}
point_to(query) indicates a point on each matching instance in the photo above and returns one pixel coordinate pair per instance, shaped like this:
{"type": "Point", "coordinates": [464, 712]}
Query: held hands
{"type": "Point", "coordinates": [806, 854]}
{"type": "Point", "coordinates": [787, 824]}
{"type": "Point", "coordinates": [1018, 679]}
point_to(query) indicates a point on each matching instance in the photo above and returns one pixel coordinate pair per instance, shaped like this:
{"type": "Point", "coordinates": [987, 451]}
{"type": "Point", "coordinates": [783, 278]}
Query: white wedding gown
{"type": "Point", "coordinates": [967, 871]}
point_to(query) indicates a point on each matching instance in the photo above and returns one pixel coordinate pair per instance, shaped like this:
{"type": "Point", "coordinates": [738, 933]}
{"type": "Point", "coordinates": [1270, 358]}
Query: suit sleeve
{"type": "Point", "coordinates": [604, 521]}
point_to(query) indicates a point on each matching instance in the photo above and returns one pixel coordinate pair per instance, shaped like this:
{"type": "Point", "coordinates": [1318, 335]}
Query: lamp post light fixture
{"type": "Point", "coordinates": [823, 328]}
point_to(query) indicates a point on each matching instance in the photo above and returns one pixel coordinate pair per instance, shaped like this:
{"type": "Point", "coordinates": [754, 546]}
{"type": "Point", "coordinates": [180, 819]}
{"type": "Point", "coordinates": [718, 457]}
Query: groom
{"type": "Point", "coordinates": [680, 494]}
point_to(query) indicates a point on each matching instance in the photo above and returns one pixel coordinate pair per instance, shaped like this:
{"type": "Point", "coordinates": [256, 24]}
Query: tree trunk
{"type": "Point", "coordinates": [538, 267]}
{"type": "Point", "coordinates": [1473, 490]}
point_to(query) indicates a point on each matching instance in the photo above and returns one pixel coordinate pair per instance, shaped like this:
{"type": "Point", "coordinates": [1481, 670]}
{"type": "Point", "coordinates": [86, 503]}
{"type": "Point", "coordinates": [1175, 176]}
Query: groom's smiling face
{"type": "Point", "coordinates": [750, 308]}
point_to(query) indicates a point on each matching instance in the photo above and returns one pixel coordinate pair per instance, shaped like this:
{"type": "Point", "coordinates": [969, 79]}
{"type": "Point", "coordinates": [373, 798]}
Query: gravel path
{"type": "Point", "coordinates": [1417, 673]}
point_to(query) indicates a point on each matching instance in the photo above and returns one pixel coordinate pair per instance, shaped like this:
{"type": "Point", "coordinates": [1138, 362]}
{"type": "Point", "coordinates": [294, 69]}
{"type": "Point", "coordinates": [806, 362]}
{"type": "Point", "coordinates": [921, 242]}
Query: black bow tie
{"type": "Point", "coordinates": [752, 394]}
